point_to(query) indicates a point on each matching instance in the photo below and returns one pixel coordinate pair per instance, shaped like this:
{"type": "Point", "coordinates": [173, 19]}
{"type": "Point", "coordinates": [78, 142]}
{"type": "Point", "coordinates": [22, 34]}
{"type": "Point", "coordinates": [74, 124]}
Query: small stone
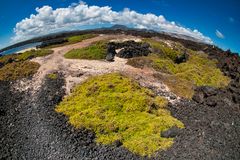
{"type": "Point", "coordinates": [117, 143]}
{"type": "Point", "coordinates": [198, 97]}
{"type": "Point", "coordinates": [171, 133]}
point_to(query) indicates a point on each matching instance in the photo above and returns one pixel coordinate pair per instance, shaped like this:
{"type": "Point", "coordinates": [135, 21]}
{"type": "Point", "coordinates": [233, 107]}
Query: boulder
{"type": "Point", "coordinates": [129, 49]}
{"type": "Point", "coordinates": [182, 58]}
{"type": "Point", "coordinates": [1, 64]}
{"type": "Point", "coordinates": [110, 52]}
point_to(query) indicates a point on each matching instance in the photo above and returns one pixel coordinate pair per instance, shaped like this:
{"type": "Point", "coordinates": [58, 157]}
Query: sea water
{"type": "Point", "coordinates": [17, 49]}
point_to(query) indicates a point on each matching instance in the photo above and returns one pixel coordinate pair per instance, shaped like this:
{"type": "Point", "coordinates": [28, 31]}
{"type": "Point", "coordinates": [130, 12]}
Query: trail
{"type": "Point", "coordinates": [75, 71]}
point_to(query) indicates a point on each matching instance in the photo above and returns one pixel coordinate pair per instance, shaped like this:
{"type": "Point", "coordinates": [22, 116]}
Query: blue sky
{"type": "Point", "coordinates": [217, 19]}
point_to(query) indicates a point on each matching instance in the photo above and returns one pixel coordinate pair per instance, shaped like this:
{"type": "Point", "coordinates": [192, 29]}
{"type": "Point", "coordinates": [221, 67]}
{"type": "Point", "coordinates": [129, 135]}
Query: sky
{"type": "Point", "coordinates": [209, 21]}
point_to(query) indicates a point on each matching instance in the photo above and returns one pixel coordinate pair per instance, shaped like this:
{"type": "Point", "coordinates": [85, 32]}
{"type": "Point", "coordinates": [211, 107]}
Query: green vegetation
{"type": "Point", "coordinates": [52, 76]}
{"type": "Point", "coordinates": [24, 56]}
{"type": "Point", "coordinates": [74, 39]}
{"type": "Point", "coordinates": [117, 108]}
{"type": "Point", "coordinates": [33, 53]}
{"type": "Point", "coordinates": [17, 66]}
{"type": "Point", "coordinates": [182, 78]}
{"type": "Point", "coordinates": [163, 50]}
{"type": "Point", "coordinates": [80, 38]}
{"type": "Point", "coordinates": [18, 70]}
{"type": "Point", "coordinates": [96, 50]}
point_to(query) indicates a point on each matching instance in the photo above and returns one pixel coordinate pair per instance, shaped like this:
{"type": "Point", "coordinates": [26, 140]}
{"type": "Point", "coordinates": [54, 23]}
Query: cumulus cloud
{"type": "Point", "coordinates": [219, 34]}
{"type": "Point", "coordinates": [47, 20]}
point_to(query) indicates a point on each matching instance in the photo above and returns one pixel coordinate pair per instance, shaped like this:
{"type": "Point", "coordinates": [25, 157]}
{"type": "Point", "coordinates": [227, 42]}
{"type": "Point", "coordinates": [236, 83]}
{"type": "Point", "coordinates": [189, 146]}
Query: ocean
{"type": "Point", "coordinates": [17, 49]}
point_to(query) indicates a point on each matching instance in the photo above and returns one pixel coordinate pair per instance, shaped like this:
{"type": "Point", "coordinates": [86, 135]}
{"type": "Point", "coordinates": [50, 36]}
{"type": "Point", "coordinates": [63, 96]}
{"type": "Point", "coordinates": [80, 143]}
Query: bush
{"type": "Point", "coordinates": [117, 108]}
{"type": "Point", "coordinates": [95, 51]}
{"type": "Point", "coordinates": [18, 70]}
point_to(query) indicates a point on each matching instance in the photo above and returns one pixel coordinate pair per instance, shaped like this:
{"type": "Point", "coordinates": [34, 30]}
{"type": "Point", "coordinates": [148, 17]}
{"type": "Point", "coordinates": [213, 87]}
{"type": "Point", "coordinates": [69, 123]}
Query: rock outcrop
{"type": "Point", "coordinates": [128, 49]}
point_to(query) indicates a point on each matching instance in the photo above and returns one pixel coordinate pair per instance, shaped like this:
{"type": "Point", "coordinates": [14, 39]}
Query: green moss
{"type": "Point", "coordinates": [162, 49]}
{"type": "Point", "coordinates": [117, 108]}
{"type": "Point", "coordinates": [52, 76]}
{"type": "Point", "coordinates": [18, 70]}
{"type": "Point", "coordinates": [97, 50]}
{"type": "Point", "coordinates": [33, 53]}
{"type": "Point", "coordinates": [8, 58]}
{"type": "Point", "coordinates": [184, 77]}
{"type": "Point", "coordinates": [25, 55]}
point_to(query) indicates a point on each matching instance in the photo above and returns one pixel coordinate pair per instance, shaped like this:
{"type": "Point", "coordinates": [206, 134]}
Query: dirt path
{"type": "Point", "coordinates": [76, 71]}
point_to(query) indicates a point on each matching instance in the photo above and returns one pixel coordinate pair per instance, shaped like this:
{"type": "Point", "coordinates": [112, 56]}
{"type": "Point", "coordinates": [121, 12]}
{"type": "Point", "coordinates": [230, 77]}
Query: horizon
{"type": "Point", "coordinates": [213, 26]}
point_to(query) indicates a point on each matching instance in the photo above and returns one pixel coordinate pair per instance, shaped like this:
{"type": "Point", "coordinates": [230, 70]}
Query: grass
{"type": "Point", "coordinates": [184, 77]}
{"type": "Point", "coordinates": [34, 53]}
{"type": "Point", "coordinates": [17, 66]}
{"type": "Point", "coordinates": [74, 39]}
{"type": "Point", "coordinates": [18, 70]}
{"type": "Point", "coordinates": [80, 38]}
{"type": "Point", "coordinates": [117, 108]}
{"type": "Point", "coordinates": [24, 56]}
{"type": "Point", "coordinates": [162, 49]}
{"type": "Point", "coordinates": [95, 51]}
{"type": "Point", "coordinates": [52, 76]}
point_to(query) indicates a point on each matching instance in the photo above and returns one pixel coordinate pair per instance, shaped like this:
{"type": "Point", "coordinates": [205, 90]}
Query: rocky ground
{"type": "Point", "coordinates": [31, 129]}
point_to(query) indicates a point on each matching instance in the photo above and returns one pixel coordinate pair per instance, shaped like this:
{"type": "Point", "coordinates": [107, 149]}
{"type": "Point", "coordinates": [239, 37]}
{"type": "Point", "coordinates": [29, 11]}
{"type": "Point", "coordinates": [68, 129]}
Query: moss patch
{"type": "Point", "coordinates": [24, 56]}
{"type": "Point", "coordinates": [182, 78]}
{"type": "Point", "coordinates": [163, 49]}
{"type": "Point", "coordinates": [96, 51]}
{"type": "Point", "coordinates": [18, 70]}
{"type": "Point", "coordinates": [117, 108]}
{"type": "Point", "coordinates": [52, 76]}
{"type": "Point", "coordinates": [33, 53]}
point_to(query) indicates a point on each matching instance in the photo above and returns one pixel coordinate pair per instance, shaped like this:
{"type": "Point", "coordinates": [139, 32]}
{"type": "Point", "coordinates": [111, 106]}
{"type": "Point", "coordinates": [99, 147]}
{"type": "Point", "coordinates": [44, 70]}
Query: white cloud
{"type": "Point", "coordinates": [48, 20]}
{"type": "Point", "coordinates": [219, 34]}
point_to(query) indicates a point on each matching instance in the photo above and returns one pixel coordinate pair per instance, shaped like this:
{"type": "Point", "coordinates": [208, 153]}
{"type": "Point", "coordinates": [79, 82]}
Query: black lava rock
{"type": "Point", "coordinates": [129, 49]}
{"type": "Point", "coordinates": [171, 133]}
{"type": "Point", "coordinates": [110, 52]}
{"type": "Point", "coordinates": [182, 58]}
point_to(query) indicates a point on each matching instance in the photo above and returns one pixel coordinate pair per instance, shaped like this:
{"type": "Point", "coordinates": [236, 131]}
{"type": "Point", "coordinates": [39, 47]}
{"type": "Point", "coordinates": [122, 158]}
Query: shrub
{"type": "Point", "coordinates": [18, 70]}
{"type": "Point", "coordinates": [96, 51]}
{"type": "Point", "coordinates": [117, 108]}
